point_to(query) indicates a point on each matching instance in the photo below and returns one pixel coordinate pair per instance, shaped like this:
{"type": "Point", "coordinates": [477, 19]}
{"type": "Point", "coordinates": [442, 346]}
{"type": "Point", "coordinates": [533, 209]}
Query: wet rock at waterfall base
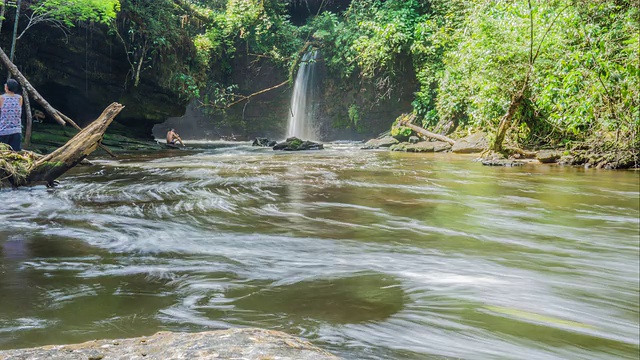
{"type": "Point", "coordinates": [295, 144]}
{"type": "Point", "coordinates": [264, 142]}
{"type": "Point", "coordinates": [250, 344]}
{"type": "Point", "coordinates": [386, 141]}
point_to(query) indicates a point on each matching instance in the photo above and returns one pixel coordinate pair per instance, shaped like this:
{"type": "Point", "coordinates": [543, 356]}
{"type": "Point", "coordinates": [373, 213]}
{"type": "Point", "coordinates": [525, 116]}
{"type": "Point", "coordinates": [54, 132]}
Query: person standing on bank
{"type": "Point", "coordinates": [11, 115]}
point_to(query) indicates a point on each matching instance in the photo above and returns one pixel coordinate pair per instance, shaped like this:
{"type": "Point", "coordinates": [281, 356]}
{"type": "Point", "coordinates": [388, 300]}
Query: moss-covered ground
{"type": "Point", "coordinates": [47, 137]}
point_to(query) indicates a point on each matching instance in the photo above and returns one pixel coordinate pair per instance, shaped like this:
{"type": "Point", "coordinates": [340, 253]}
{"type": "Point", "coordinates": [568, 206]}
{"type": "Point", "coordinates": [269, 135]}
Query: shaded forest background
{"type": "Point", "coordinates": [572, 65]}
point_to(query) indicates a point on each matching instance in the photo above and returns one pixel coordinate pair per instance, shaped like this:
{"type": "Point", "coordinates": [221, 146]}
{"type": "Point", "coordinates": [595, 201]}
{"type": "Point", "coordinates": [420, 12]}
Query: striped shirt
{"type": "Point", "coordinates": [11, 115]}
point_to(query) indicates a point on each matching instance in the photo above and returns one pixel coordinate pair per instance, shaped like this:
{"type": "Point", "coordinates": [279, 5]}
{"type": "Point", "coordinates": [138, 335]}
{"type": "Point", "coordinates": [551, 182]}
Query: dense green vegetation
{"type": "Point", "coordinates": [568, 69]}
{"type": "Point", "coordinates": [575, 61]}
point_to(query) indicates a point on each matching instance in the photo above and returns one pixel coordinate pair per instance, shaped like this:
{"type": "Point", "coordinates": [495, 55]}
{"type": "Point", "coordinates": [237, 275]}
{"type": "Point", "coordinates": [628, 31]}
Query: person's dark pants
{"type": "Point", "coordinates": [14, 140]}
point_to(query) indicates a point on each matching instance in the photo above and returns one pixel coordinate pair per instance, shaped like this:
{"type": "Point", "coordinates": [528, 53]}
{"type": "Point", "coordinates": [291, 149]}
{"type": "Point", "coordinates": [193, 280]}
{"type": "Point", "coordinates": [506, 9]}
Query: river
{"type": "Point", "coordinates": [369, 254]}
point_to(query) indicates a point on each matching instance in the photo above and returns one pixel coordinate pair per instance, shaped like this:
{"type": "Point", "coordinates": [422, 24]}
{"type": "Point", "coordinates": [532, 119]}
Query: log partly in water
{"type": "Point", "coordinates": [48, 168]}
{"type": "Point", "coordinates": [424, 132]}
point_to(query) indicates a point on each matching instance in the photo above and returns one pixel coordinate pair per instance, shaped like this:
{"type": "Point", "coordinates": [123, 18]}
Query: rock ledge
{"type": "Point", "coordinates": [249, 344]}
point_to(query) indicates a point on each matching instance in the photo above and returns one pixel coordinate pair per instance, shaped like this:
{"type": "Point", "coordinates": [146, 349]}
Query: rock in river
{"type": "Point", "coordinates": [295, 144]}
{"type": "Point", "coordinates": [548, 156]}
{"type": "Point", "coordinates": [378, 143]}
{"type": "Point", "coordinates": [474, 143]}
{"type": "Point", "coordinates": [422, 146]}
{"type": "Point", "coordinates": [249, 344]}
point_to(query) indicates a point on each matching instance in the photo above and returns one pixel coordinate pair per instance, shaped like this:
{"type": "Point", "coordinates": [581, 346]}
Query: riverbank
{"type": "Point", "coordinates": [603, 154]}
{"type": "Point", "coordinates": [246, 344]}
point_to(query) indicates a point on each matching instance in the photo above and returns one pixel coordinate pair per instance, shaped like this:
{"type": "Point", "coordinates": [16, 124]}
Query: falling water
{"type": "Point", "coordinates": [301, 109]}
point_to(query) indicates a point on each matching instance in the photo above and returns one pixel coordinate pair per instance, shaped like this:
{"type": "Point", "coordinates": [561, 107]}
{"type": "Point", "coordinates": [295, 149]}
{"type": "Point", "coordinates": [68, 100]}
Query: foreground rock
{"type": "Point", "coordinates": [248, 344]}
{"type": "Point", "coordinates": [384, 142]}
{"type": "Point", "coordinates": [423, 146]}
{"type": "Point", "coordinates": [295, 144]}
{"type": "Point", "coordinates": [474, 143]}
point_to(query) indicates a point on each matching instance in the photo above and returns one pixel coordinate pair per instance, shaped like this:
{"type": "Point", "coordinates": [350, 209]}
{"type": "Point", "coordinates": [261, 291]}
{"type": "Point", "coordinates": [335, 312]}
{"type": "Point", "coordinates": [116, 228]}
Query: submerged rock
{"type": "Point", "coordinates": [295, 144]}
{"type": "Point", "coordinates": [249, 344]}
{"type": "Point", "coordinates": [423, 146]}
{"type": "Point", "coordinates": [474, 143]}
{"type": "Point", "coordinates": [502, 162]}
{"type": "Point", "coordinates": [264, 142]}
{"type": "Point", "coordinates": [386, 141]}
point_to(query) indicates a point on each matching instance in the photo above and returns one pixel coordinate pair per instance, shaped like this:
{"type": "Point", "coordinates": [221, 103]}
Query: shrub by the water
{"type": "Point", "coordinates": [15, 166]}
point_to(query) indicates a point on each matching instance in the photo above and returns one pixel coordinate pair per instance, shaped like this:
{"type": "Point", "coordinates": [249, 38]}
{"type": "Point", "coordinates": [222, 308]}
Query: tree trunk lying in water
{"type": "Point", "coordinates": [406, 121]}
{"type": "Point", "coordinates": [23, 169]}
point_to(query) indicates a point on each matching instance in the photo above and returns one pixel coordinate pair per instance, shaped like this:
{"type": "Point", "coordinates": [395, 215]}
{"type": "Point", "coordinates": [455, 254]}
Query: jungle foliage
{"type": "Point", "coordinates": [575, 61]}
{"type": "Point", "coordinates": [472, 57]}
{"type": "Point", "coordinates": [579, 58]}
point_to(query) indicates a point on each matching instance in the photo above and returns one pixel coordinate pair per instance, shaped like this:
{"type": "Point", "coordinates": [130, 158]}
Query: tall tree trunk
{"type": "Point", "coordinates": [505, 122]}
{"type": "Point", "coordinates": [29, 117]}
{"type": "Point", "coordinates": [15, 33]}
{"type": "Point", "coordinates": [3, 7]}
{"type": "Point", "coordinates": [140, 62]}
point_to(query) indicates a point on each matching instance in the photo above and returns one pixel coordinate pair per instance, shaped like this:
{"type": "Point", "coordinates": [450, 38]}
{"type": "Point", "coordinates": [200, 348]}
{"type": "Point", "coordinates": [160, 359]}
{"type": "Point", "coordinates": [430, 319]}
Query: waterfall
{"type": "Point", "coordinates": [301, 110]}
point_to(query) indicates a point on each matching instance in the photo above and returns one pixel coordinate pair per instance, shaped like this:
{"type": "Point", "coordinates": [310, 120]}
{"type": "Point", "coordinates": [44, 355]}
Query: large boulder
{"type": "Point", "coordinates": [295, 144]}
{"type": "Point", "coordinates": [384, 142]}
{"type": "Point", "coordinates": [248, 344]}
{"type": "Point", "coordinates": [423, 146]}
{"type": "Point", "coordinates": [474, 143]}
{"type": "Point", "coordinates": [548, 156]}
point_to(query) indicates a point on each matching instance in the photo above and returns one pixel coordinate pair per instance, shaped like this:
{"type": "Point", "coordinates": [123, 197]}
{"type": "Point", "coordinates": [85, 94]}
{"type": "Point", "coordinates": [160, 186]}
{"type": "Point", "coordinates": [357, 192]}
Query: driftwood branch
{"type": "Point", "coordinates": [52, 166]}
{"type": "Point", "coordinates": [245, 97]}
{"type": "Point", "coordinates": [429, 134]}
{"type": "Point", "coordinates": [28, 169]}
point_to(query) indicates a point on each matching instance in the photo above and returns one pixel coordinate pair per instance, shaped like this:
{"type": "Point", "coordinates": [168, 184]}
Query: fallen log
{"type": "Point", "coordinates": [32, 170]}
{"type": "Point", "coordinates": [429, 134]}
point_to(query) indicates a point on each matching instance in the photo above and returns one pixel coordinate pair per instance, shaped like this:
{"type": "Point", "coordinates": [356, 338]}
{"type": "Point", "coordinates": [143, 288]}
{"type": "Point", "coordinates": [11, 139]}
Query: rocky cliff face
{"type": "Point", "coordinates": [82, 73]}
{"type": "Point", "coordinates": [266, 115]}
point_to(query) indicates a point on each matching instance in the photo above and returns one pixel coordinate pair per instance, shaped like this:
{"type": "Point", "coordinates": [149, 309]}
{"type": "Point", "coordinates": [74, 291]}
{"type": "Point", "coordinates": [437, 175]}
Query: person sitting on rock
{"type": "Point", "coordinates": [173, 138]}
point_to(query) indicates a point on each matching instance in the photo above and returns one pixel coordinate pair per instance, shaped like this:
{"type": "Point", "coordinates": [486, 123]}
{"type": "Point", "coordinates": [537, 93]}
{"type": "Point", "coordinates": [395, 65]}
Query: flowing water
{"type": "Point", "coordinates": [369, 254]}
{"type": "Point", "coordinates": [301, 111]}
